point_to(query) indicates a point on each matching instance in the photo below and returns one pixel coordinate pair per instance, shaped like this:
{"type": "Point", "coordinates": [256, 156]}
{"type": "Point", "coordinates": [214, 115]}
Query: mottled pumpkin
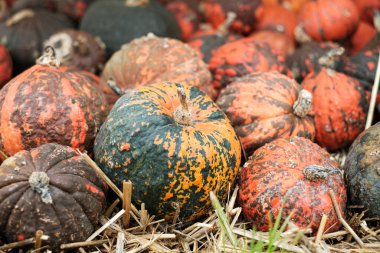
{"type": "Point", "coordinates": [174, 144]}
{"type": "Point", "coordinates": [296, 174]}
{"type": "Point", "coordinates": [362, 172]}
{"type": "Point", "coordinates": [279, 42]}
{"type": "Point", "coordinates": [306, 58]}
{"type": "Point", "coordinates": [24, 33]}
{"type": "Point", "coordinates": [242, 57]}
{"type": "Point", "coordinates": [50, 104]}
{"type": "Point", "coordinates": [53, 189]}
{"type": "Point", "coordinates": [362, 36]}
{"type": "Point", "coordinates": [340, 105]}
{"type": "Point", "coordinates": [78, 49]}
{"type": "Point", "coordinates": [247, 11]}
{"type": "Point", "coordinates": [152, 59]}
{"type": "Point", "coordinates": [326, 20]}
{"type": "Point", "coordinates": [6, 66]}
{"type": "Point", "coordinates": [265, 106]}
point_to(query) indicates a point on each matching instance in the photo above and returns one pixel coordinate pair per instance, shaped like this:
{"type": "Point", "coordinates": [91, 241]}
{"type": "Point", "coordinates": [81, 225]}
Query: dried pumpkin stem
{"type": "Point", "coordinates": [38, 243]}
{"type": "Point", "coordinates": [136, 3]}
{"type": "Point", "coordinates": [39, 182]}
{"type": "Point", "coordinates": [223, 28]}
{"type": "Point", "coordinates": [48, 58]}
{"type": "Point", "coordinates": [300, 35]}
{"type": "Point", "coordinates": [26, 13]}
{"type": "Point", "coordinates": [328, 60]}
{"type": "Point", "coordinates": [302, 105]}
{"type": "Point", "coordinates": [127, 198]}
{"type": "Point", "coordinates": [182, 114]}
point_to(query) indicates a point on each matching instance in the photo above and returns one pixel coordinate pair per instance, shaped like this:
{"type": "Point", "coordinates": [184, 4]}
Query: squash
{"type": "Point", "coordinates": [280, 43]}
{"type": "Point", "coordinates": [6, 66]}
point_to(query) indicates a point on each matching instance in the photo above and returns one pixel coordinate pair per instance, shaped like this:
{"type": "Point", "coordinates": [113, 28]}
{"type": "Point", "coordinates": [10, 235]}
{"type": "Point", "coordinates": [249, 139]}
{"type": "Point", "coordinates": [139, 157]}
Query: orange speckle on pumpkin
{"type": "Point", "coordinates": [371, 66]}
{"type": "Point", "coordinates": [125, 146]}
{"type": "Point", "coordinates": [20, 237]}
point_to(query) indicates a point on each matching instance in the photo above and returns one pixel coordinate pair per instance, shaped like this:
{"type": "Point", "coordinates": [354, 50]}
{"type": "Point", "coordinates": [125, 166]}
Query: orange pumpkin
{"type": "Point", "coordinates": [279, 42]}
{"type": "Point", "coordinates": [266, 106]}
{"type": "Point", "coordinates": [340, 106]}
{"type": "Point", "coordinates": [361, 37]}
{"type": "Point", "coordinates": [325, 20]}
{"type": "Point", "coordinates": [367, 8]}
{"type": "Point", "coordinates": [5, 65]}
{"type": "Point", "coordinates": [292, 5]}
{"type": "Point", "coordinates": [151, 59]}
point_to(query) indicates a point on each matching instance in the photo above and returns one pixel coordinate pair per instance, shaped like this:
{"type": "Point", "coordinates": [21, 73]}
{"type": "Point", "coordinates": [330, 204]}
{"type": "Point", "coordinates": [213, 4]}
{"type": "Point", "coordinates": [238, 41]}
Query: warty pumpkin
{"type": "Point", "coordinates": [297, 175]}
{"type": "Point", "coordinates": [174, 144]}
{"type": "Point", "coordinates": [53, 189]}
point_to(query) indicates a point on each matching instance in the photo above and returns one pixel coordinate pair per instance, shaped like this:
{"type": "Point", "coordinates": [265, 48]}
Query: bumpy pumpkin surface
{"type": "Point", "coordinates": [325, 20]}
{"type": "Point", "coordinates": [362, 171]}
{"type": "Point", "coordinates": [297, 174]}
{"type": "Point", "coordinates": [175, 148]}
{"type": "Point", "coordinates": [340, 106]}
{"type": "Point", "coordinates": [242, 57]}
{"type": "Point", "coordinates": [5, 65]}
{"type": "Point", "coordinates": [152, 59]}
{"type": "Point", "coordinates": [53, 189]}
{"type": "Point", "coordinates": [266, 106]}
{"type": "Point", "coordinates": [46, 104]}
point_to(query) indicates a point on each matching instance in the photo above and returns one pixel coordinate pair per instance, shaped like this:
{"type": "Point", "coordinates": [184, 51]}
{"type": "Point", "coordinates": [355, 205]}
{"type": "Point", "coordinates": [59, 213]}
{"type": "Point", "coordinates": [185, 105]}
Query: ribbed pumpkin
{"type": "Point", "coordinates": [326, 20]}
{"type": "Point", "coordinates": [50, 104]}
{"type": "Point", "coordinates": [6, 66]}
{"type": "Point", "coordinates": [362, 171]}
{"type": "Point", "coordinates": [78, 49]}
{"type": "Point", "coordinates": [117, 22]}
{"type": "Point", "coordinates": [152, 59]}
{"type": "Point", "coordinates": [280, 43]}
{"type": "Point", "coordinates": [24, 33]}
{"type": "Point", "coordinates": [296, 174]}
{"type": "Point", "coordinates": [50, 188]}
{"type": "Point", "coordinates": [265, 106]}
{"type": "Point", "coordinates": [174, 144]}
{"type": "Point", "coordinates": [242, 57]}
{"type": "Point", "coordinates": [340, 106]}
{"type": "Point", "coordinates": [247, 11]}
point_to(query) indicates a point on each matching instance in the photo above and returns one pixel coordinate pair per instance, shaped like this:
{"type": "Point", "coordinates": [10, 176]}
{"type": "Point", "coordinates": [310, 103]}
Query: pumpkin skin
{"type": "Point", "coordinates": [247, 11]}
{"type": "Point", "coordinates": [280, 43]}
{"type": "Point", "coordinates": [78, 49]}
{"type": "Point", "coordinates": [367, 8]}
{"type": "Point", "coordinates": [362, 36]}
{"type": "Point", "coordinates": [75, 9]}
{"type": "Point", "coordinates": [167, 161]}
{"type": "Point", "coordinates": [68, 211]}
{"type": "Point", "coordinates": [5, 66]}
{"type": "Point", "coordinates": [297, 174]}
{"type": "Point", "coordinates": [116, 23]}
{"type": "Point", "coordinates": [242, 57]}
{"type": "Point", "coordinates": [292, 5]}
{"type": "Point", "coordinates": [325, 20]}
{"type": "Point", "coordinates": [260, 107]}
{"type": "Point", "coordinates": [362, 171]}
{"type": "Point", "coordinates": [46, 104]}
{"type": "Point", "coordinates": [340, 106]}
{"type": "Point", "coordinates": [152, 59]}
{"type": "Point", "coordinates": [24, 37]}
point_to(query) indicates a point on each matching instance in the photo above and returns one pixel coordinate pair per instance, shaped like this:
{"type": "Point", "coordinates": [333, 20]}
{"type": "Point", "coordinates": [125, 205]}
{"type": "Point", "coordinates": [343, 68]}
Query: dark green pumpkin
{"type": "Point", "coordinates": [362, 171]}
{"type": "Point", "coordinates": [117, 23]}
{"type": "Point", "coordinates": [171, 155]}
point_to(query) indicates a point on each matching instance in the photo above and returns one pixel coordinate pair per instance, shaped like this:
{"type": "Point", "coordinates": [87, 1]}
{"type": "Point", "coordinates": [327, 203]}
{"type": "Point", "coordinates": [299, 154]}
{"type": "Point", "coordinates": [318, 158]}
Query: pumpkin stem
{"type": "Point", "coordinates": [113, 85]}
{"type": "Point", "coordinates": [48, 58]}
{"type": "Point", "coordinates": [376, 20]}
{"type": "Point", "coordinates": [329, 59]}
{"type": "Point", "coordinates": [26, 13]}
{"type": "Point", "coordinates": [300, 35]}
{"type": "Point", "coordinates": [39, 182]}
{"type": "Point", "coordinates": [303, 103]}
{"type": "Point", "coordinates": [136, 3]}
{"type": "Point", "coordinates": [225, 26]}
{"type": "Point", "coordinates": [316, 172]}
{"type": "Point", "coordinates": [182, 114]}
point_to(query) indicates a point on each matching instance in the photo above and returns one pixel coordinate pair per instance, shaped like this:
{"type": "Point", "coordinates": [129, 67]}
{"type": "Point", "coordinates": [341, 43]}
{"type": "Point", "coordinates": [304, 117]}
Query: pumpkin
{"type": "Point", "coordinates": [118, 22]}
{"type": "Point", "coordinates": [292, 5]}
{"type": "Point", "coordinates": [297, 175]}
{"type": "Point", "coordinates": [24, 33]}
{"type": "Point", "coordinates": [152, 59]}
{"type": "Point", "coordinates": [374, 43]}
{"type": "Point", "coordinates": [277, 18]}
{"type": "Point", "coordinates": [309, 58]}
{"type": "Point", "coordinates": [340, 106]}
{"type": "Point", "coordinates": [325, 20]}
{"type": "Point", "coordinates": [78, 49]}
{"type": "Point", "coordinates": [367, 8]}
{"type": "Point", "coordinates": [242, 57]}
{"type": "Point", "coordinates": [186, 16]}
{"type": "Point", "coordinates": [362, 36]}
{"type": "Point", "coordinates": [53, 189]}
{"type": "Point", "coordinates": [280, 43]}
{"type": "Point", "coordinates": [50, 104]}
{"type": "Point", "coordinates": [266, 106]}
{"type": "Point", "coordinates": [174, 144]}
{"type": "Point", "coordinates": [5, 66]}
{"type": "Point", "coordinates": [215, 12]}
{"type": "Point", "coordinates": [205, 41]}
{"type": "Point", "coordinates": [362, 171]}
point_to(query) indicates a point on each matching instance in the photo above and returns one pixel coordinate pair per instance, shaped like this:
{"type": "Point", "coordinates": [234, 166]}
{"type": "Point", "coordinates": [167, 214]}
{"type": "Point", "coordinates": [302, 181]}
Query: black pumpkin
{"type": "Point", "coordinates": [362, 171]}
{"type": "Point", "coordinates": [25, 31]}
{"type": "Point", "coordinates": [53, 189]}
{"type": "Point", "coordinates": [118, 22]}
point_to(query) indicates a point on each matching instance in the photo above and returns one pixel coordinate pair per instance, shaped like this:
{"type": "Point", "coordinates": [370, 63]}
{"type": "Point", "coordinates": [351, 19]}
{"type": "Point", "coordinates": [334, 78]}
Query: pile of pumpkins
{"type": "Point", "coordinates": [173, 96]}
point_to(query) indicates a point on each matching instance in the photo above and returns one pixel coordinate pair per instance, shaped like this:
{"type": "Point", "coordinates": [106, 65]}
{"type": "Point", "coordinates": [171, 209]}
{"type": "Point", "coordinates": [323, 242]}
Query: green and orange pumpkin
{"type": "Point", "coordinates": [175, 145]}
{"type": "Point", "coordinates": [295, 175]}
